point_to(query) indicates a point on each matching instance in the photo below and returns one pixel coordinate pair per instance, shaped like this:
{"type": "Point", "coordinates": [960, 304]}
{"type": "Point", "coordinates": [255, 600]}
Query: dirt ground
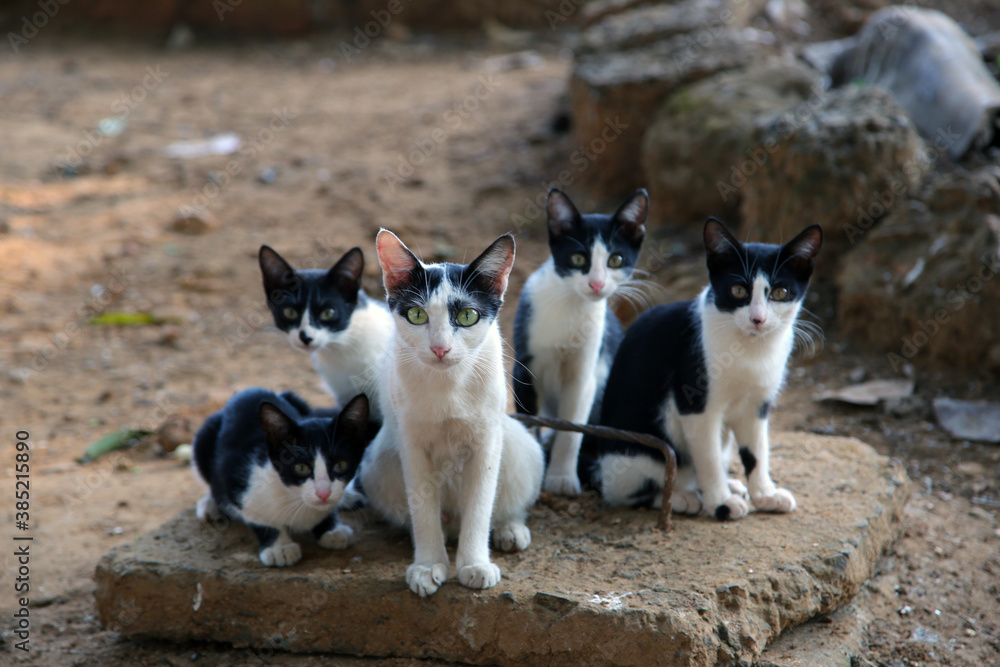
{"type": "Point", "coordinates": [88, 223]}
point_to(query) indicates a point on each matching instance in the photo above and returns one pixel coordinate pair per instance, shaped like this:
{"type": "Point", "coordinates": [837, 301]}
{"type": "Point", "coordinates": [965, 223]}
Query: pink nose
{"type": "Point", "coordinates": [758, 320]}
{"type": "Point", "coordinates": [440, 351]}
{"type": "Point", "coordinates": [323, 495]}
{"type": "Point", "coordinates": [596, 286]}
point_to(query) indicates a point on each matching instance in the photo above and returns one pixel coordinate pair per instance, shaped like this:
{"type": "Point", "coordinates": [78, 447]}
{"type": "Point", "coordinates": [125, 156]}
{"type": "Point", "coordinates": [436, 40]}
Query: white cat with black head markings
{"type": "Point", "coordinates": [565, 334]}
{"type": "Point", "coordinates": [328, 315]}
{"type": "Point", "coordinates": [703, 374]}
{"type": "Point", "coordinates": [272, 462]}
{"type": "Point", "coordinates": [447, 452]}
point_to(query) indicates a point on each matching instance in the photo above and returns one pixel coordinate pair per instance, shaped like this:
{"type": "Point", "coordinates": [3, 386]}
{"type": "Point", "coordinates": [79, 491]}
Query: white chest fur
{"type": "Point", "coordinates": [268, 502]}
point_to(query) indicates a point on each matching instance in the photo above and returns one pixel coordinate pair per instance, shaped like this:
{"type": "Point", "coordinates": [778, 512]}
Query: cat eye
{"type": "Point", "coordinates": [615, 261]}
{"type": "Point", "coordinates": [467, 317]}
{"type": "Point", "coordinates": [340, 467]}
{"type": "Point", "coordinates": [577, 259]}
{"type": "Point", "coordinates": [779, 294]}
{"type": "Point", "coordinates": [290, 313]}
{"type": "Point", "coordinates": [302, 469]}
{"type": "Point", "coordinates": [327, 314]}
{"type": "Point", "coordinates": [416, 315]}
{"type": "Point", "coordinates": [739, 291]}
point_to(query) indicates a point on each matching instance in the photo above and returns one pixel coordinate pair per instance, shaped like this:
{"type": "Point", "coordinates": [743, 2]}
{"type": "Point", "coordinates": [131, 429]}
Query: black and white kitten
{"type": "Point", "coordinates": [328, 315]}
{"type": "Point", "coordinates": [272, 462]}
{"type": "Point", "coordinates": [704, 373]}
{"type": "Point", "coordinates": [565, 335]}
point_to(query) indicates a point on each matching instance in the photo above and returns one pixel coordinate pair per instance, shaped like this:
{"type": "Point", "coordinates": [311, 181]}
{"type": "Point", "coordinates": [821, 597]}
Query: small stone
{"type": "Point", "coordinates": [192, 223]}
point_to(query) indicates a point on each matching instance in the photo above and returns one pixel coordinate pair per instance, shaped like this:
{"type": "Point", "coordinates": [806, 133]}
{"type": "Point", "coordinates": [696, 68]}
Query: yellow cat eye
{"type": "Point", "coordinates": [577, 259]}
{"type": "Point", "coordinates": [416, 315]}
{"type": "Point", "coordinates": [340, 466]}
{"type": "Point", "coordinates": [302, 469]}
{"type": "Point", "coordinates": [327, 314]}
{"type": "Point", "coordinates": [467, 317]}
{"type": "Point", "coordinates": [779, 294]}
{"type": "Point", "coordinates": [615, 261]}
{"type": "Point", "coordinates": [290, 313]}
{"type": "Point", "coordinates": [739, 291]}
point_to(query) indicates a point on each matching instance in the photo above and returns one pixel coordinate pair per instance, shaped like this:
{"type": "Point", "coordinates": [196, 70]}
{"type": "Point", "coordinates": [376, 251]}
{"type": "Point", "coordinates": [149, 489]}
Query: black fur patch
{"type": "Point", "coordinates": [646, 494]}
{"type": "Point", "coordinates": [748, 459]}
{"type": "Point", "coordinates": [765, 408]}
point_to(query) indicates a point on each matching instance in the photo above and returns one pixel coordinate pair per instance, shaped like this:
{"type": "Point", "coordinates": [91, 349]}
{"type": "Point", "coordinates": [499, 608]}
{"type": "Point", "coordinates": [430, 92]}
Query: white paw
{"type": "Point", "coordinates": [340, 537]}
{"type": "Point", "coordinates": [733, 507]}
{"type": "Point", "coordinates": [484, 575]}
{"type": "Point", "coordinates": [685, 502]}
{"type": "Point", "coordinates": [281, 555]}
{"type": "Point", "coordinates": [511, 537]}
{"type": "Point", "coordinates": [424, 580]}
{"type": "Point", "coordinates": [206, 509]}
{"type": "Point", "coordinates": [781, 500]}
{"type": "Point", "coordinates": [562, 485]}
{"type": "Point", "coordinates": [737, 488]}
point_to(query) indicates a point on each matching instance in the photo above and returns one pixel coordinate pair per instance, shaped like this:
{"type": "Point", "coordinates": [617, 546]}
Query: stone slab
{"type": "Point", "coordinates": [597, 586]}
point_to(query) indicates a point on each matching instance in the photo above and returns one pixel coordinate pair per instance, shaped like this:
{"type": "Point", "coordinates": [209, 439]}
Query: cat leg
{"type": "Point", "coordinates": [332, 534]}
{"type": "Point", "coordinates": [686, 499]}
{"type": "Point", "coordinates": [736, 487]}
{"type": "Point", "coordinates": [704, 436]}
{"type": "Point", "coordinates": [755, 456]}
{"type": "Point", "coordinates": [522, 465]}
{"type": "Point", "coordinates": [207, 509]}
{"type": "Point", "coordinates": [423, 495]}
{"type": "Point", "coordinates": [380, 475]}
{"type": "Point", "coordinates": [574, 404]}
{"type": "Point", "coordinates": [277, 549]}
{"type": "Point", "coordinates": [479, 488]}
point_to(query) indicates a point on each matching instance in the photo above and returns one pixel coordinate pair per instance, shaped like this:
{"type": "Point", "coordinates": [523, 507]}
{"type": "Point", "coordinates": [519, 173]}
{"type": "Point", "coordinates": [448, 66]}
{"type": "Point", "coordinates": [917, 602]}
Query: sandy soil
{"type": "Point", "coordinates": [99, 233]}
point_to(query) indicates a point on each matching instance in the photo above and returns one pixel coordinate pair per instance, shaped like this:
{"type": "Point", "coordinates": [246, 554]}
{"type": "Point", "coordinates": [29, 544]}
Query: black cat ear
{"type": "Point", "coordinates": [397, 262]}
{"type": "Point", "coordinates": [799, 254]}
{"type": "Point", "coordinates": [279, 276]}
{"type": "Point", "coordinates": [631, 217]}
{"type": "Point", "coordinates": [563, 216]}
{"type": "Point", "coordinates": [346, 273]}
{"type": "Point", "coordinates": [492, 268]}
{"type": "Point", "coordinates": [280, 430]}
{"type": "Point", "coordinates": [720, 244]}
{"type": "Point", "coordinates": [352, 422]}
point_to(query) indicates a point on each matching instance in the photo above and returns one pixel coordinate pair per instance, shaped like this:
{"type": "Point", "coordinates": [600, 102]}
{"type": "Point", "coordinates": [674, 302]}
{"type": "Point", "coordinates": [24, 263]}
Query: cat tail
{"type": "Point", "coordinates": [586, 464]}
{"type": "Point", "coordinates": [204, 445]}
{"type": "Point", "coordinates": [298, 403]}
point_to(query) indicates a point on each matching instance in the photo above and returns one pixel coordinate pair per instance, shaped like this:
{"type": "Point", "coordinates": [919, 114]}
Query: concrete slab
{"type": "Point", "coordinates": [596, 587]}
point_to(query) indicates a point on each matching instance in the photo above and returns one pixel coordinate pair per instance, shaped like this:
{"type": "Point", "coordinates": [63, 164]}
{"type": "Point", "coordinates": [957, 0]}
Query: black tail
{"type": "Point", "coordinates": [204, 446]}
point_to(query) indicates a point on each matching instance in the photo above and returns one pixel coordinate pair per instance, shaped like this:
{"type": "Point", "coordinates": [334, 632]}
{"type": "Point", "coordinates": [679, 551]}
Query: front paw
{"type": "Point", "coordinates": [340, 537]}
{"type": "Point", "coordinates": [738, 488]}
{"type": "Point", "coordinates": [511, 537]}
{"type": "Point", "coordinates": [733, 507]}
{"type": "Point", "coordinates": [781, 500]}
{"type": "Point", "coordinates": [281, 555]}
{"type": "Point", "coordinates": [424, 580]}
{"type": "Point", "coordinates": [207, 509]}
{"type": "Point", "coordinates": [562, 485]}
{"type": "Point", "coordinates": [685, 502]}
{"type": "Point", "coordinates": [483, 575]}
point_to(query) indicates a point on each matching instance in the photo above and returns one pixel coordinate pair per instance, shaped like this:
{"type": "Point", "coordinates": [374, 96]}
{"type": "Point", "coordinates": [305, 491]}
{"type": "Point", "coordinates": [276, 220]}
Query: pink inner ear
{"type": "Point", "coordinates": [396, 261]}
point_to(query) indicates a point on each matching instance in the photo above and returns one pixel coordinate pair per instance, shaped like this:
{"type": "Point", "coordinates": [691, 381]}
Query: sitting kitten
{"type": "Point", "coordinates": [699, 373]}
{"type": "Point", "coordinates": [565, 335]}
{"type": "Point", "coordinates": [270, 461]}
{"type": "Point", "coordinates": [446, 445]}
{"type": "Point", "coordinates": [328, 315]}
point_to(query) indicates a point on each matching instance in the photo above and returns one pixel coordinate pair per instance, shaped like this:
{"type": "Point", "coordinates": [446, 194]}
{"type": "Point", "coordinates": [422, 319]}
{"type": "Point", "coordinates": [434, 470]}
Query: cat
{"type": "Point", "coordinates": [328, 315]}
{"type": "Point", "coordinates": [565, 334]}
{"type": "Point", "coordinates": [447, 452]}
{"type": "Point", "coordinates": [272, 462]}
{"type": "Point", "coordinates": [703, 375]}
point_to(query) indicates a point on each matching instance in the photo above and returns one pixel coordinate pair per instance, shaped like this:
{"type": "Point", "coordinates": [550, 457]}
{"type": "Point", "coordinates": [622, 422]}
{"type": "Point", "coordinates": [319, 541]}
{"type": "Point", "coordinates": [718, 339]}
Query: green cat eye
{"type": "Point", "coordinates": [779, 294]}
{"type": "Point", "coordinates": [302, 469]}
{"type": "Point", "coordinates": [327, 314]}
{"type": "Point", "coordinates": [416, 315]}
{"type": "Point", "coordinates": [340, 466]}
{"type": "Point", "coordinates": [290, 313]}
{"type": "Point", "coordinates": [615, 261]}
{"type": "Point", "coordinates": [739, 291]}
{"type": "Point", "coordinates": [577, 259]}
{"type": "Point", "coordinates": [467, 317]}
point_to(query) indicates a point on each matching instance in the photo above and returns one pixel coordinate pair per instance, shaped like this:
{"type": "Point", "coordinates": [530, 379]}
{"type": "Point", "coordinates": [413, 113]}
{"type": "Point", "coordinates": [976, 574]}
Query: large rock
{"type": "Point", "coordinates": [704, 133]}
{"type": "Point", "coordinates": [922, 284]}
{"type": "Point", "coordinates": [596, 586]}
{"type": "Point", "coordinates": [832, 160]}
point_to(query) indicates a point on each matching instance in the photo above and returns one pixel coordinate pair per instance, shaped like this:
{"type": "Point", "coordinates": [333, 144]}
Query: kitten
{"type": "Point", "coordinates": [270, 461]}
{"type": "Point", "coordinates": [704, 373]}
{"type": "Point", "coordinates": [447, 451]}
{"type": "Point", "coordinates": [565, 335]}
{"type": "Point", "coordinates": [328, 315]}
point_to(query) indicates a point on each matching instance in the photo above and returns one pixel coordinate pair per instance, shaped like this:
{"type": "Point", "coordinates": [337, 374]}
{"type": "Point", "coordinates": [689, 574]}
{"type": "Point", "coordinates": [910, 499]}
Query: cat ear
{"type": "Point", "coordinates": [352, 422]}
{"type": "Point", "coordinates": [720, 244]}
{"type": "Point", "coordinates": [563, 216]}
{"type": "Point", "coordinates": [346, 273]}
{"type": "Point", "coordinates": [631, 217]}
{"type": "Point", "coordinates": [396, 260]}
{"type": "Point", "coordinates": [280, 430]}
{"type": "Point", "coordinates": [799, 254]}
{"type": "Point", "coordinates": [279, 276]}
{"type": "Point", "coordinates": [492, 268]}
